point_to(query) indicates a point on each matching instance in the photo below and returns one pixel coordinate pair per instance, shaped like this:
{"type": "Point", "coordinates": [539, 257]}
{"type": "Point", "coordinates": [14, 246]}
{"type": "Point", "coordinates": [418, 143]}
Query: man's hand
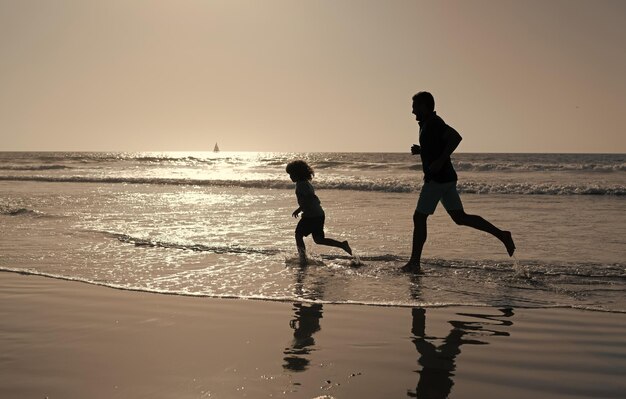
{"type": "Point", "coordinates": [296, 213]}
{"type": "Point", "coordinates": [415, 149]}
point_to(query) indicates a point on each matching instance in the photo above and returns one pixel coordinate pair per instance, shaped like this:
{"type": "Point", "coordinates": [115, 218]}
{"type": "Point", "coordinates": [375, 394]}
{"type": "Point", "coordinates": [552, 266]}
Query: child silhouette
{"type": "Point", "coordinates": [312, 221]}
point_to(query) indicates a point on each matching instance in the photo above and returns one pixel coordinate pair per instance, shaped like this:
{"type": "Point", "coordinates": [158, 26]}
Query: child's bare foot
{"type": "Point", "coordinates": [411, 267]}
{"type": "Point", "coordinates": [346, 247]}
{"type": "Point", "coordinates": [507, 240]}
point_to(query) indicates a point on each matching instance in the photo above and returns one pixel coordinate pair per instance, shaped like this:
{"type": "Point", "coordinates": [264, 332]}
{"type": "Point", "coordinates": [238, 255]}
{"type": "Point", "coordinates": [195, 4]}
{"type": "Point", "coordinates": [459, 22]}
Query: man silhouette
{"type": "Point", "coordinates": [439, 361]}
{"type": "Point", "coordinates": [437, 143]}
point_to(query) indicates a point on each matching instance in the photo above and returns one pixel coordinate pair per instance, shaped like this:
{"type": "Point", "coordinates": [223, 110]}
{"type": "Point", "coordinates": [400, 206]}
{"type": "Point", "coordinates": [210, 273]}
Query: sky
{"type": "Point", "coordinates": [325, 75]}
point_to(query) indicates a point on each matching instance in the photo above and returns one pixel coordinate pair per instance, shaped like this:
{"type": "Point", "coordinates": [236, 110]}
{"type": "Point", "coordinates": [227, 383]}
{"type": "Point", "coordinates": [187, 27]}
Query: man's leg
{"type": "Point", "coordinates": [463, 219]}
{"type": "Point", "coordinates": [452, 202]}
{"type": "Point", "coordinates": [426, 205]}
{"type": "Point", "coordinates": [419, 238]}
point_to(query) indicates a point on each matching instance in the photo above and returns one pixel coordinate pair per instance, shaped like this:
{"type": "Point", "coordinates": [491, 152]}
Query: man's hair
{"type": "Point", "coordinates": [300, 169]}
{"type": "Point", "coordinates": [426, 99]}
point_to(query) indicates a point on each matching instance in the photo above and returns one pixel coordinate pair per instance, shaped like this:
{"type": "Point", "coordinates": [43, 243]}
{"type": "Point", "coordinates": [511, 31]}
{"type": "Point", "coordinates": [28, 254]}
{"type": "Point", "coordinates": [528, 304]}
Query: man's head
{"type": "Point", "coordinates": [423, 105]}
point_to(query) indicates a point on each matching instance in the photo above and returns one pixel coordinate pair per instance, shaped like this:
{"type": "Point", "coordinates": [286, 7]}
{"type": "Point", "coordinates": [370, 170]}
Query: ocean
{"type": "Point", "coordinates": [219, 225]}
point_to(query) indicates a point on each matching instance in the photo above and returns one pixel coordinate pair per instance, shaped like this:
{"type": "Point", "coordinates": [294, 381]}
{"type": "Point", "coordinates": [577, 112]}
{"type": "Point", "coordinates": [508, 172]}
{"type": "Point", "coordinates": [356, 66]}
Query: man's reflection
{"type": "Point", "coordinates": [439, 362]}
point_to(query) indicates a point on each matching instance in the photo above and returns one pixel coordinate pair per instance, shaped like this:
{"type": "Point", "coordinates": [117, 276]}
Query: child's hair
{"type": "Point", "coordinates": [300, 169]}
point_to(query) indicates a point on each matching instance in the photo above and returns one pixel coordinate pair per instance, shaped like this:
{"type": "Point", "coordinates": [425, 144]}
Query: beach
{"type": "Point", "coordinates": [65, 339]}
{"type": "Point", "coordinates": [316, 200]}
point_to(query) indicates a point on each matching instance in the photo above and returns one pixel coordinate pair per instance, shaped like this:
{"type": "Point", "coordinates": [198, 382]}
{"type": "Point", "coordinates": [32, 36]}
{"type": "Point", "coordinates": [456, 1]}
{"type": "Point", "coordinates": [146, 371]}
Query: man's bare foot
{"type": "Point", "coordinates": [507, 240]}
{"type": "Point", "coordinates": [346, 247]}
{"type": "Point", "coordinates": [411, 267]}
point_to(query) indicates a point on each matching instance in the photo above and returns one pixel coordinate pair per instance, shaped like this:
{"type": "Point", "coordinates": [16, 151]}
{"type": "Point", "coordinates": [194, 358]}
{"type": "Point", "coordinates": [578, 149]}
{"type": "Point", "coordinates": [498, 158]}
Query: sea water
{"type": "Point", "coordinates": [220, 225]}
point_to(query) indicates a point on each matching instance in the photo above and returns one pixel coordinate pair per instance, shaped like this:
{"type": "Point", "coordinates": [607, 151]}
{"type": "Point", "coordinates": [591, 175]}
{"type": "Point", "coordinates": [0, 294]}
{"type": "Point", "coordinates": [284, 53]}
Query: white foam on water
{"type": "Point", "coordinates": [375, 184]}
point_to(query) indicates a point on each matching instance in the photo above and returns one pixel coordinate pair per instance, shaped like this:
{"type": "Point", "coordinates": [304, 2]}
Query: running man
{"type": "Point", "coordinates": [437, 143]}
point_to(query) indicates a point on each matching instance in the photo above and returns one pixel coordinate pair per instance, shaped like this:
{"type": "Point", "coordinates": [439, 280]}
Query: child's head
{"type": "Point", "coordinates": [299, 170]}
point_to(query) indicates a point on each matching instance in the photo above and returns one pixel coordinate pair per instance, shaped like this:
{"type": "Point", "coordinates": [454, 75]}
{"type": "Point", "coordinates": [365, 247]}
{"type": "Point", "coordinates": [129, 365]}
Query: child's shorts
{"type": "Point", "coordinates": [433, 192]}
{"type": "Point", "coordinates": [314, 225]}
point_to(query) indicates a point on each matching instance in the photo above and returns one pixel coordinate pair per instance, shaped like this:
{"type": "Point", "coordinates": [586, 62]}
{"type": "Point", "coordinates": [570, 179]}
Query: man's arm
{"type": "Point", "coordinates": [452, 139]}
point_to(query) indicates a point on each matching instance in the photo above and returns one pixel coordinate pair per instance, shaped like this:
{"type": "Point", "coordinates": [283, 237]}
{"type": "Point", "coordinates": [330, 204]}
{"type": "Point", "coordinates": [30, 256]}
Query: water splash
{"type": "Point", "coordinates": [520, 271]}
{"type": "Point", "coordinates": [311, 260]}
{"type": "Point", "coordinates": [356, 261]}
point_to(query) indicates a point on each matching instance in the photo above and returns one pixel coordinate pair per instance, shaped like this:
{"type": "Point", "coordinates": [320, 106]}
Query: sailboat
{"type": "Point", "coordinates": [216, 148]}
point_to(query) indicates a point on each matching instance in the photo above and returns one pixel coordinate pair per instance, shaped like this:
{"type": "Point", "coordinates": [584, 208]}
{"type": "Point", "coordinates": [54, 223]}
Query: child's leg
{"type": "Point", "coordinates": [321, 240]}
{"type": "Point", "coordinates": [301, 247]}
{"type": "Point", "coordinates": [300, 242]}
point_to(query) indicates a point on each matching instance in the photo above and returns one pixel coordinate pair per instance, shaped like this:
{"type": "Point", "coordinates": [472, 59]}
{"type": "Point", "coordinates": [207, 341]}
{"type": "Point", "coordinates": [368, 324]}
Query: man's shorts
{"type": "Point", "coordinates": [314, 225]}
{"type": "Point", "coordinates": [433, 192]}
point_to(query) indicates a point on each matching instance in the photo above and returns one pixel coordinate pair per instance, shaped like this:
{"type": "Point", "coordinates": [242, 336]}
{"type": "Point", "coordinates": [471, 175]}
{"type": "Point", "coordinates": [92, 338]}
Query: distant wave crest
{"type": "Point", "coordinates": [601, 163]}
{"type": "Point", "coordinates": [9, 211]}
{"type": "Point", "coordinates": [34, 167]}
{"type": "Point", "coordinates": [536, 167]}
{"type": "Point", "coordinates": [380, 185]}
{"type": "Point", "coordinates": [541, 189]}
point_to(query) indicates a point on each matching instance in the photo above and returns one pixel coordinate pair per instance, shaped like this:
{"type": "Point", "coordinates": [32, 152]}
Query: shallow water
{"type": "Point", "coordinates": [220, 225]}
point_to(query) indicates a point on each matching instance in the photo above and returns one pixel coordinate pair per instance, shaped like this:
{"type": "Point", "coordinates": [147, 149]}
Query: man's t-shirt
{"type": "Point", "coordinates": [308, 201]}
{"type": "Point", "coordinates": [433, 143]}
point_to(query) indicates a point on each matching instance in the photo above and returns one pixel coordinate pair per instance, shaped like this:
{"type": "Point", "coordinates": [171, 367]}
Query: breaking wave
{"type": "Point", "coordinates": [377, 185]}
{"type": "Point", "coordinates": [34, 167]}
{"type": "Point", "coordinates": [8, 211]}
{"type": "Point", "coordinates": [537, 167]}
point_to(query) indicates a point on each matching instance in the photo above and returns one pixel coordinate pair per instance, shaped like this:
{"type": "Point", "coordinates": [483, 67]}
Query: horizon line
{"type": "Point", "coordinates": [306, 152]}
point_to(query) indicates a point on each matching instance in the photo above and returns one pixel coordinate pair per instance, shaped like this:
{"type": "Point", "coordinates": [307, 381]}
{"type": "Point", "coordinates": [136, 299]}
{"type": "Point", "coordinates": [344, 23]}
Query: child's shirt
{"type": "Point", "coordinates": [308, 201]}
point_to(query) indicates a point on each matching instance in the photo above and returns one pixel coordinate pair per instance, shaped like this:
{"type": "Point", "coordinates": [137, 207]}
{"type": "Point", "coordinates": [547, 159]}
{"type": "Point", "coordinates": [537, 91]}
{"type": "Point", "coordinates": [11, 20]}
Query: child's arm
{"type": "Point", "coordinates": [296, 212]}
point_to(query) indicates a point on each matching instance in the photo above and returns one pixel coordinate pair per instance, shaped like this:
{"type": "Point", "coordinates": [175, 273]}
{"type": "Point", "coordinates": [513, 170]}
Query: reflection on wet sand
{"type": "Point", "coordinates": [437, 355]}
{"type": "Point", "coordinates": [438, 361]}
{"type": "Point", "coordinates": [305, 323]}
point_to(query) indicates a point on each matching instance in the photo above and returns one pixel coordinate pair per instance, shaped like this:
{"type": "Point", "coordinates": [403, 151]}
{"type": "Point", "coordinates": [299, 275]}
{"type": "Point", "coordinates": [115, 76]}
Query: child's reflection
{"type": "Point", "coordinates": [305, 323]}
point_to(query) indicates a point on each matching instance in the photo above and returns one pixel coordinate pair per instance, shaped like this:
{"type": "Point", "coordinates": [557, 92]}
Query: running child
{"type": "Point", "coordinates": [312, 221]}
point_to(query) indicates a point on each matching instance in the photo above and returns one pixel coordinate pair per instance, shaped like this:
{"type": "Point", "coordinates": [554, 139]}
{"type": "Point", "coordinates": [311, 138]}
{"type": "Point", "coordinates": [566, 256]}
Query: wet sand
{"type": "Point", "coordinates": [63, 339]}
